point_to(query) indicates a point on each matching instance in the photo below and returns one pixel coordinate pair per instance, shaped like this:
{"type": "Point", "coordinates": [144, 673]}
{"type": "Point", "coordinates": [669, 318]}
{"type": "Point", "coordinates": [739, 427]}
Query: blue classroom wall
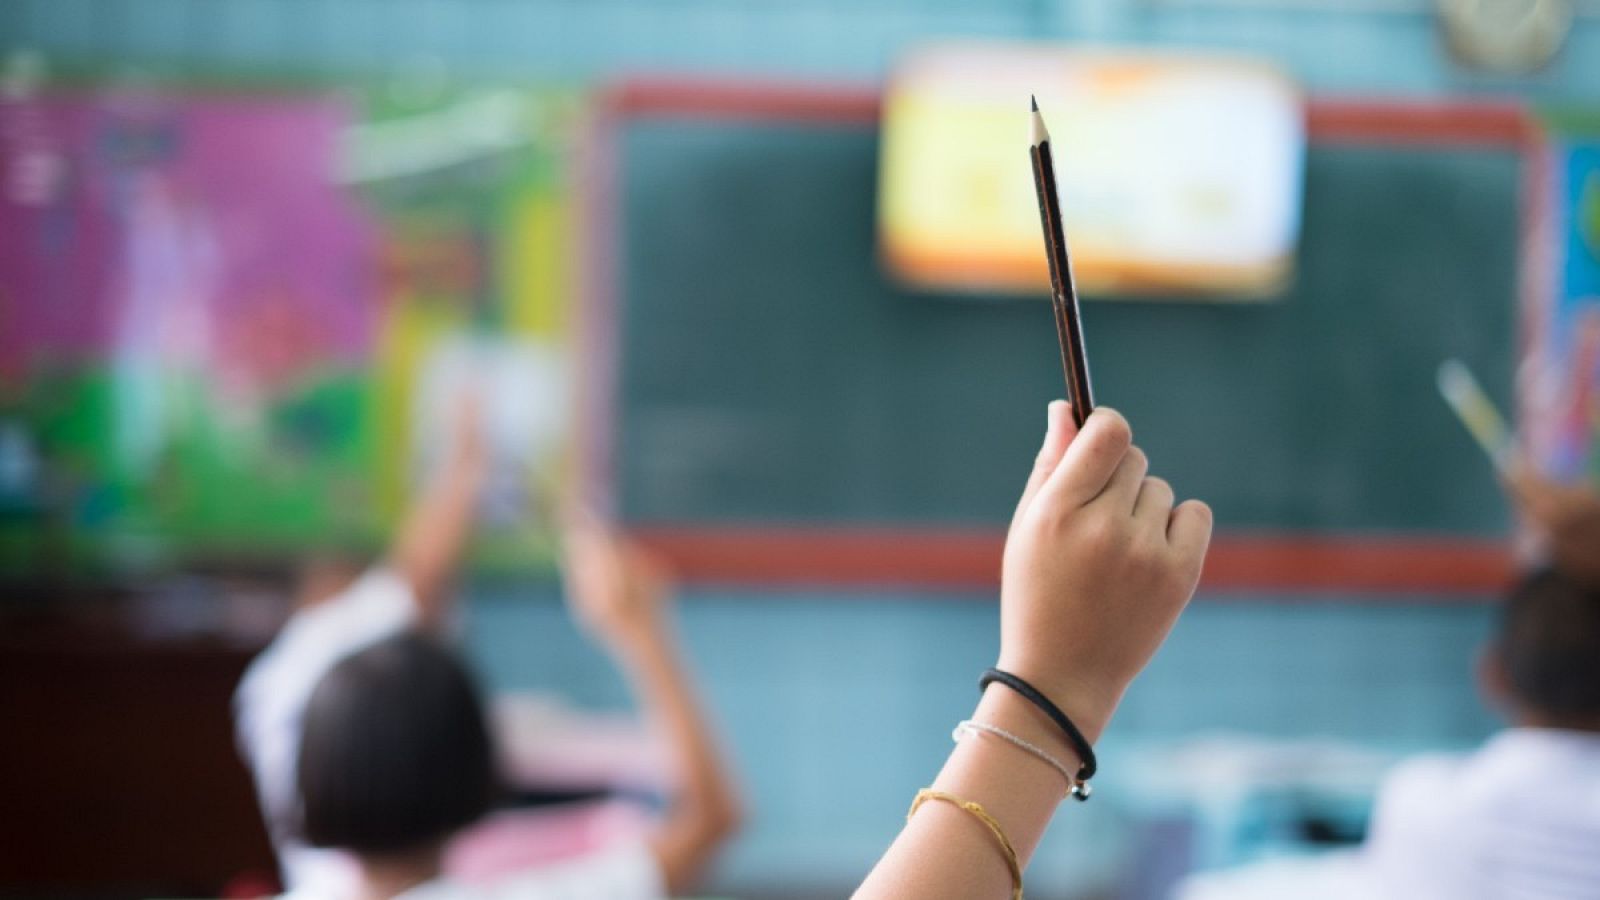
{"type": "Point", "coordinates": [1344, 46]}
{"type": "Point", "coordinates": [838, 707]}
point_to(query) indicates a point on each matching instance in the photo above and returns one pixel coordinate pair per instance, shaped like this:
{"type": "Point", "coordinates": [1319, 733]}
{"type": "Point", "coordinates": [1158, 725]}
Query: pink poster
{"type": "Point", "coordinates": [179, 234]}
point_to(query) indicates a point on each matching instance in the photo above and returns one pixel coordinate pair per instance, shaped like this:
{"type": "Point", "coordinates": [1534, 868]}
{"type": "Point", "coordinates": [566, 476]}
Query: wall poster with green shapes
{"type": "Point", "coordinates": [234, 322]}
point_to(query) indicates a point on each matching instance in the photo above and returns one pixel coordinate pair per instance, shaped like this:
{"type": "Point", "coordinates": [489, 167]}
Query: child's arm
{"type": "Point", "coordinates": [1098, 565]}
{"type": "Point", "coordinates": [432, 537]}
{"type": "Point", "coordinates": [620, 595]}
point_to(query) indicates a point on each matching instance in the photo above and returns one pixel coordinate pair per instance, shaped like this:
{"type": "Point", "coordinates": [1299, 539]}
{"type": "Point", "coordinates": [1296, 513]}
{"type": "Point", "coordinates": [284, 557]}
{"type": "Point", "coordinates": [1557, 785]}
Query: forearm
{"type": "Point", "coordinates": [667, 697]}
{"type": "Point", "coordinates": [1098, 564]}
{"type": "Point", "coordinates": [703, 808]}
{"type": "Point", "coordinates": [944, 851]}
{"type": "Point", "coordinates": [432, 538]}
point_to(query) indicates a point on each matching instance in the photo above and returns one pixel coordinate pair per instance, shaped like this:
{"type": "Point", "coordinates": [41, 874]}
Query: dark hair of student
{"type": "Point", "coordinates": [1549, 647]}
{"type": "Point", "coordinates": [395, 752]}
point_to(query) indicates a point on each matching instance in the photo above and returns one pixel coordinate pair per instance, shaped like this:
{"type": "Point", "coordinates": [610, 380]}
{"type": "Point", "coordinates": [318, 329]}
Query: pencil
{"type": "Point", "coordinates": [1063, 295]}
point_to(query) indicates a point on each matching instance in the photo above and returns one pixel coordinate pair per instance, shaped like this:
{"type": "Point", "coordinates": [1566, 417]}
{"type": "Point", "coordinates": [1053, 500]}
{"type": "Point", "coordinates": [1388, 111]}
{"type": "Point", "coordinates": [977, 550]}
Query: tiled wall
{"type": "Point", "coordinates": [839, 707]}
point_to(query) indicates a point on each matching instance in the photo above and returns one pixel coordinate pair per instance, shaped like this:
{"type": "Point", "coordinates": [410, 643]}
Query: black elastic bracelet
{"type": "Point", "coordinates": [1079, 743]}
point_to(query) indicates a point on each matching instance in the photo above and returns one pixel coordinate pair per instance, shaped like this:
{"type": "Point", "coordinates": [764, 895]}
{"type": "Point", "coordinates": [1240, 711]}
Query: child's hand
{"type": "Point", "coordinates": [615, 590]}
{"type": "Point", "coordinates": [1567, 516]}
{"type": "Point", "coordinates": [469, 442]}
{"type": "Point", "coordinates": [1097, 567]}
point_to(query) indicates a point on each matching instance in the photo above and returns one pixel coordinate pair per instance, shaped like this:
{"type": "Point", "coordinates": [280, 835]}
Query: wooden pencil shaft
{"type": "Point", "coordinates": [1063, 296]}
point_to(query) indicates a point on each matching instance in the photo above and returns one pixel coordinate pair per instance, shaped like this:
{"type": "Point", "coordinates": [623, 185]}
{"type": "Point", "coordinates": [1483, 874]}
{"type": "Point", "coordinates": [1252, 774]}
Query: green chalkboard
{"type": "Point", "coordinates": [771, 373]}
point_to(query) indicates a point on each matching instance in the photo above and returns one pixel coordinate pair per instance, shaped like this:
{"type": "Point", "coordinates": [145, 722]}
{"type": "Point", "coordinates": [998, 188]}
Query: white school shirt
{"type": "Point", "coordinates": [1519, 819]}
{"type": "Point", "coordinates": [270, 704]}
{"type": "Point", "coordinates": [625, 872]}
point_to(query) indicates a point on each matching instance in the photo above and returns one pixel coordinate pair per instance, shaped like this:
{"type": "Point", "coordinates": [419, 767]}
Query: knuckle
{"type": "Point", "coordinates": [1116, 428]}
{"type": "Point", "coordinates": [1106, 535]}
{"type": "Point", "coordinates": [1137, 461]}
{"type": "Point", "coordinates": [1159, 488]}
{"type": "Point", "coordinates": [1107, 433]}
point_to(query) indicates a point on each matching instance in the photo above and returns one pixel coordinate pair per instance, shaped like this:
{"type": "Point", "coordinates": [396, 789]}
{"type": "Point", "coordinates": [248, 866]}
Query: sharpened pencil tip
{"type": "Point", "coordinates": [1034, 102]}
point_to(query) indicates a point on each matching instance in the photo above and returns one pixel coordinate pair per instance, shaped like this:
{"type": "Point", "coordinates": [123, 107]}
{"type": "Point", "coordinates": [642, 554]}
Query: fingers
{"type": "Point", "coordinates": [1154, 505]}
{"type": "Point", "coordinates": [589, 549]}
{"type": "Point", "coordinates": [1090, 460]}
{"type": "Point", "coordinates": [1546, 502]}
{"type": "Point", "coordinates": [1122, 490]}
{"type": "Point", "coordinates": [1059, 432]}
{"type": "Point", "coordinates": [1189, 532]}
{"type": "Point", "coordinates": [1525, 486]}
{"type": "Point", "coordinates": [1100, 463]}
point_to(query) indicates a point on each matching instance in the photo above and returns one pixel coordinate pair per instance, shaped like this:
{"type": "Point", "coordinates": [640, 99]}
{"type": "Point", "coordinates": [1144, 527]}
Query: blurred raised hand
{"type": "Point", "coordinates": [1565, 516]}
{"type": "Point", "coordinates": [616, 590]}
{"type": "Point", "coordinates": [618, 593]}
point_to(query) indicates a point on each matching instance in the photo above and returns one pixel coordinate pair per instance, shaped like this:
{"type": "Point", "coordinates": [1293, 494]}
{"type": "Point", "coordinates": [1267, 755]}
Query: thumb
{"type": "Point", "coordinates": [1090, 461]}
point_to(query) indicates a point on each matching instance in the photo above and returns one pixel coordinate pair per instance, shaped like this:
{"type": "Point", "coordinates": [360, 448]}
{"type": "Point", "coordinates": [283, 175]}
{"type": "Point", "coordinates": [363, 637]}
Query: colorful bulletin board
{"type": "Point", "coordinates": [233, 322]}
{"type": "Point", "coordinates": [1561, 384]}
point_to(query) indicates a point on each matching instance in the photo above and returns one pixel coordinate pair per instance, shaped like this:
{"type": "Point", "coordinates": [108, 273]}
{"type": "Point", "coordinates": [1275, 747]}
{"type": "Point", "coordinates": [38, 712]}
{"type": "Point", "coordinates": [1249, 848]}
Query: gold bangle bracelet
{"type": "Point", "coordinates": [989, 822]}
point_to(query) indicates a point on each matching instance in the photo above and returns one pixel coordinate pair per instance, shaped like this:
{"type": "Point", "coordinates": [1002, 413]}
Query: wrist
{"type": "Point", "coordinates": [1004, 708]}
{"type": "Point", "coordinates": [640, 644]}
{"type": "Point", "coordinates": [1087, 704]}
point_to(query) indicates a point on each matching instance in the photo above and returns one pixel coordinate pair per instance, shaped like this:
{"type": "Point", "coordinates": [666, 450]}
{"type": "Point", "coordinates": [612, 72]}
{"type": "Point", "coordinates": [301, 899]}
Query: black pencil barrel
{"type": "Point", "coordinates": [1063, 295]}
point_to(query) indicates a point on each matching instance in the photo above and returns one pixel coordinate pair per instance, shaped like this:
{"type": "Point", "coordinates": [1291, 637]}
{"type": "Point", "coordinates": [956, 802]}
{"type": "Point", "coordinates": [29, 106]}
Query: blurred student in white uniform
{"type": "Point", "coordinates": [1520, 817]}
{"type": "Point", "coordinates": [396, 609]}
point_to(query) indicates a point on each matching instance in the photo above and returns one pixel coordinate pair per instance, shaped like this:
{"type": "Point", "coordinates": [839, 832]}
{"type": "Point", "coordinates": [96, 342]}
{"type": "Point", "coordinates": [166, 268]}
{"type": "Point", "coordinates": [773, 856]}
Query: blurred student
{"type": "Point", "coordinates": [339, 609]}
{"type": "Point", "coordinates": [1098, 565]}
{"type": "Point", "coordinates": [397, 757]}
{"type": "Point", "coordinates": [1521, 816]}
{"type": "Point", "coordinates": [1518, 818]}
{"type": "Point", "coordinates": [342, 610]}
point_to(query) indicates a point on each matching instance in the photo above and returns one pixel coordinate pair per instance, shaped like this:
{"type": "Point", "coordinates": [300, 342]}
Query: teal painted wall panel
{"type": "Point", "coordinates": [1329, 49]}
{"type": "Point", "coordinates": [837, 708]}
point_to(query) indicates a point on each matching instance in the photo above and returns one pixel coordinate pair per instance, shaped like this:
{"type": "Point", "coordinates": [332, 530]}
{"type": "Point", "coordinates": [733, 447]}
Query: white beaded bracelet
{"type": "Point", "coordinates": [967, 726]}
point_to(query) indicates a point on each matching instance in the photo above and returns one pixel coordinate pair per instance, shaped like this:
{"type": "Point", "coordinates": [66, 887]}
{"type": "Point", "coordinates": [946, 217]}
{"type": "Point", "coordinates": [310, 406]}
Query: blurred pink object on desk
{"type": "Point", "coordinates": [518, 840]}
{"type": "Point", "coordinates": [547, 744]}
